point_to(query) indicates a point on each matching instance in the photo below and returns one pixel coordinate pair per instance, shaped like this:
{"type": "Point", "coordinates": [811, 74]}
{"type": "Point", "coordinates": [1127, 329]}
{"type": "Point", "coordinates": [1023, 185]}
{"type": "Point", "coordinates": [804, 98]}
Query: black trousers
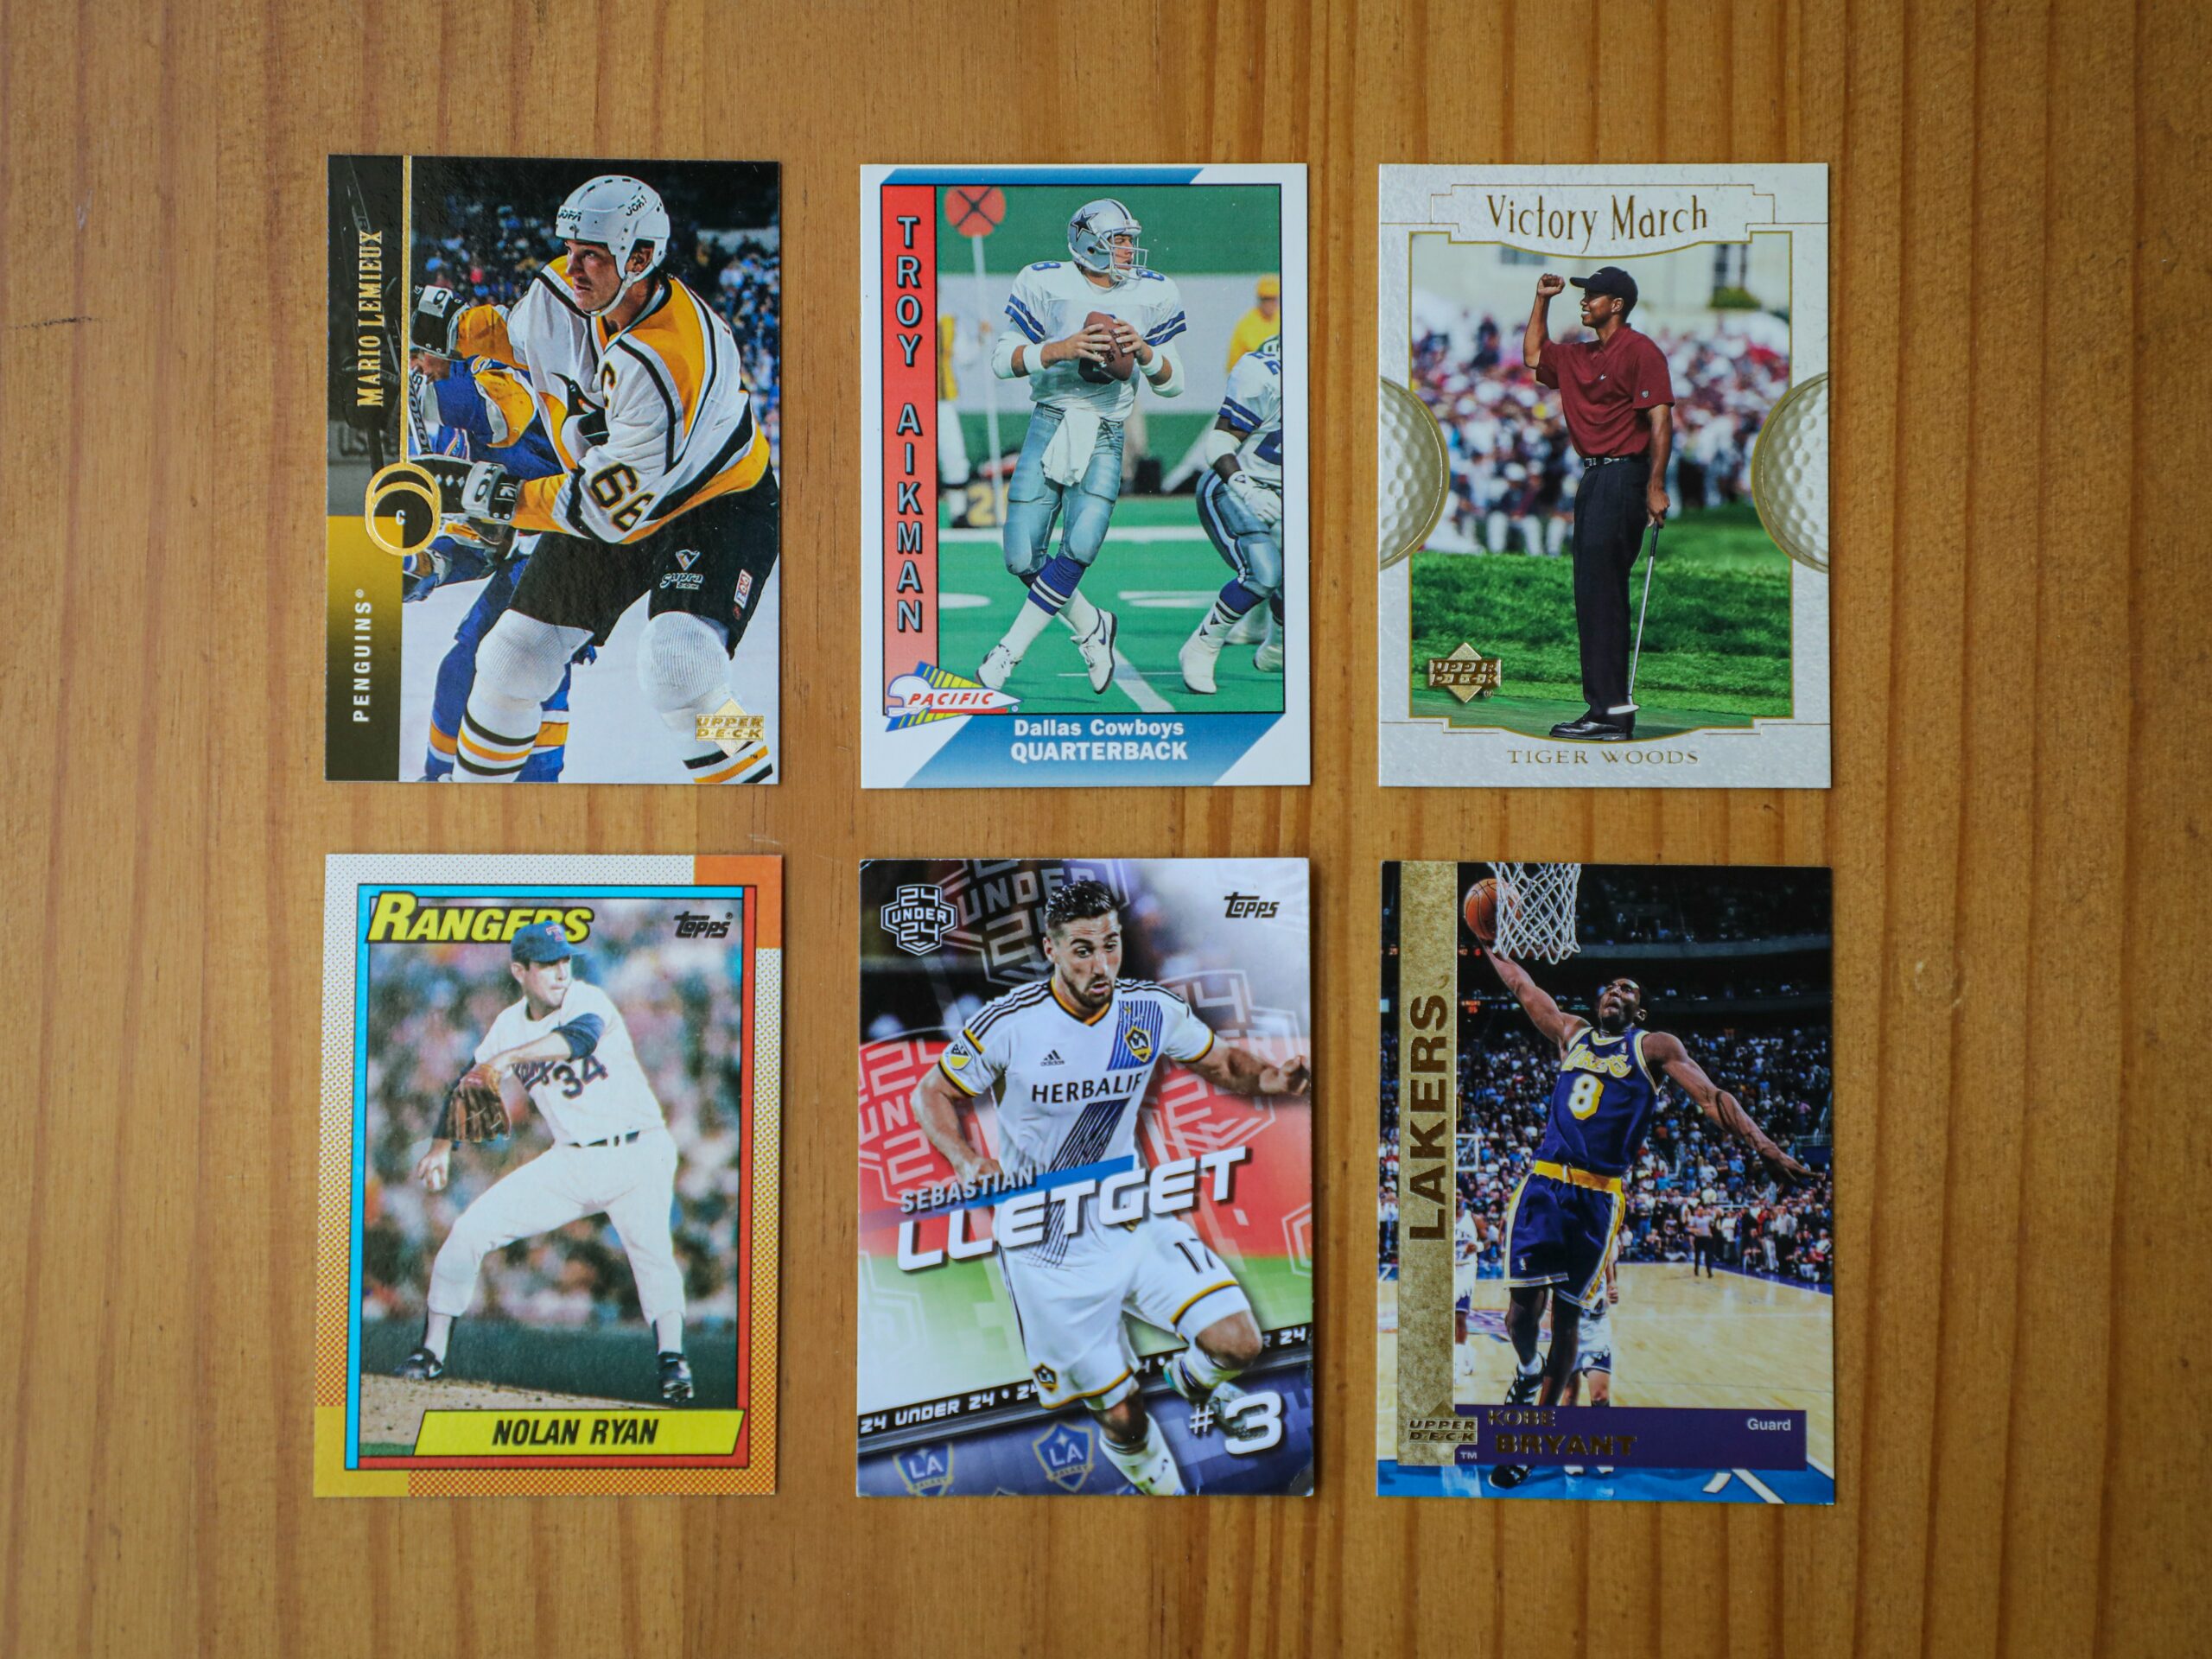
{"type": "Point", "coordinates": [1610, 516]}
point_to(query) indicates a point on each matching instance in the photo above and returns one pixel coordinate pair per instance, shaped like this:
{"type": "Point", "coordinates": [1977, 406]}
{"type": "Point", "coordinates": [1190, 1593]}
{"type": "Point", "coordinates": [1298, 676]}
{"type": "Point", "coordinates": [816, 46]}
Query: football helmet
{"type": "Point", "coordinates": [618, 213]}
{"type": "Point", "coordinates": [1090, 239]}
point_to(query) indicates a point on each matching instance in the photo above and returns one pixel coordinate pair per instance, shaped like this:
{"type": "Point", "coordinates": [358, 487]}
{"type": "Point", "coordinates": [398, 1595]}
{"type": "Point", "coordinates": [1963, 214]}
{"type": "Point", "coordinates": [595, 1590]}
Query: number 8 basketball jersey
{"type": "Point", "coordinates": [1602, 1104]}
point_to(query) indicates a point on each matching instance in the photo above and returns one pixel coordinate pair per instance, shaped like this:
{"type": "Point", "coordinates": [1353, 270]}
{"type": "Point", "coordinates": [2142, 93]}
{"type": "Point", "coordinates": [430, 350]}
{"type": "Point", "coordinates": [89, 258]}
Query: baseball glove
{"type": "Point", "coordinates": [475, 1110]}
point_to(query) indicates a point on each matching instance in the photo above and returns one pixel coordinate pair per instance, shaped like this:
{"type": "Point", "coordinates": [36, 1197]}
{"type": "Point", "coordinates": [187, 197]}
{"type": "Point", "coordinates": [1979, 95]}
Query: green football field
{"type": "Point", "coordinates": [924, 1334]}
{"type": "Point", "coordinates": [1157, 573]}
{"type": "Point", "coordinates": [1716, 641]}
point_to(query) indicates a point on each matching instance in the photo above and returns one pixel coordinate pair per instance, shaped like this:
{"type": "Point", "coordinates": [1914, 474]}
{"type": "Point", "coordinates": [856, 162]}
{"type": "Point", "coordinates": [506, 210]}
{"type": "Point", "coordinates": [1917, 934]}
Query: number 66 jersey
{"type": "Point", "coordinates": [598, 1093]}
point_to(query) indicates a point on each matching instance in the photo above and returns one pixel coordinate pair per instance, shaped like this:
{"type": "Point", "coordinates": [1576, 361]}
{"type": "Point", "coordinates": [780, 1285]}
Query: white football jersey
{"type": "Point", "coordinates": [592, 1095]}
{"type": "Point", "coordinates": [1050, 301]}
{"type": "Point", "coordinates": [1071, 1088]}
{"type": "Point", "coordinates": [1254, 408]}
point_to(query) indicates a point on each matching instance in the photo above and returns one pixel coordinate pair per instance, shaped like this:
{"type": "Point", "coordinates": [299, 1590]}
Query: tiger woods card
{"type": "Point", "coordinates": [552, 521]}
{"type": "Point", "coordinates": [1603, 476]}
{"type": "Point", "coordinates": [1084, 476]}
{"type": "Point", "coordinates": [1608, 1223]}
{"type": "Point", "coordinates": [547, 1226]}
{"type": "Point", "coordinates": [1086, 1177]}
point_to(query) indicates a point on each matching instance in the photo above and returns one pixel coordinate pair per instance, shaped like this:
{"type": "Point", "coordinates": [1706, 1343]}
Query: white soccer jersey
{"type": "Point", "coordinates": [592, 1096]}
{"type": "Point", "coordinates": [1051, 300]}
{"type": "Point", "coordinates": [1071, 1088]}
{"type": "Point", "coordinates": [1253, 407]}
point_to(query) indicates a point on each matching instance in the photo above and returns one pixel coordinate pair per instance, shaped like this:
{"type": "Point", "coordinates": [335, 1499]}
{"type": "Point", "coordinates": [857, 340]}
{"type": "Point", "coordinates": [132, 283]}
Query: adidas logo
{"type": "Point", "coordinates": [1053, 1057]}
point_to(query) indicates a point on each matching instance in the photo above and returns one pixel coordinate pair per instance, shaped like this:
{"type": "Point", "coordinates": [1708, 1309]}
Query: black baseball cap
{"type": "Point", "coordinates": [1608, 279]}
{"type": "Point", "coordinates": [542, 941]}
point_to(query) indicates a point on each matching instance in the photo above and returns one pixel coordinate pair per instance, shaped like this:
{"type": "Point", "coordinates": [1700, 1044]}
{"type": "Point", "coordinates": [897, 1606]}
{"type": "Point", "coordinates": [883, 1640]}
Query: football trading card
{"type": "Point", "coordinates": [552, 517]}
{"type": "Point", "coordinates": [1084, 476]}
{"type": "Point", "coordinates": [1602, 491]}
{"type": "Point", "coordinates": [1607, 1194]}
{"type": "Point", "coordinates": [551, 1125]}
{"type": "Point", "coordinates": [1086, 1177]}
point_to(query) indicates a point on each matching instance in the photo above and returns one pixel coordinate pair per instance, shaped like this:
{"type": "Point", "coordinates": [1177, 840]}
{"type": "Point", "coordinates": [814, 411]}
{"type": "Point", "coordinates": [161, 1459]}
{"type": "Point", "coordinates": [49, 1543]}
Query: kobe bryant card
{"type": "Point", "coordinates": [1607, 1185]}
{"type": "Point", "coordinates": [1086, 1177]}
{"type": "Point", "coordinates": [1602, 490]}
{"type": "Point", "coordinates": [1084, 444]}
{"type": "Point", "coordinates": [552, 513]}
{"type": "Point", "coordinates": [551, 1128]}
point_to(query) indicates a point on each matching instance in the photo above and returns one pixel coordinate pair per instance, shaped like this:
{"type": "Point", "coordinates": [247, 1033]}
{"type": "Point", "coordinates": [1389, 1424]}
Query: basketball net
{"type": "Point", "coordinates": [1535, 910]}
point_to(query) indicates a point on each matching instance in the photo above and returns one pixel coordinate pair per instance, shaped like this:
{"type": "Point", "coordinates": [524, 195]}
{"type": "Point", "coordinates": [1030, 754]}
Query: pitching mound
{"type": "Point", "coordinates": [392, 1407]}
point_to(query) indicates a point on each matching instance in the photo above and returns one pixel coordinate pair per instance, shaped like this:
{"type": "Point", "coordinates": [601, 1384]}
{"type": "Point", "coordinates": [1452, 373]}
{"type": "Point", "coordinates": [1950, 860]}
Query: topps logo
{"type": "Point", "coordinates": [1248, 904]}
{"type": "Point", "coordinates": [690, 925]}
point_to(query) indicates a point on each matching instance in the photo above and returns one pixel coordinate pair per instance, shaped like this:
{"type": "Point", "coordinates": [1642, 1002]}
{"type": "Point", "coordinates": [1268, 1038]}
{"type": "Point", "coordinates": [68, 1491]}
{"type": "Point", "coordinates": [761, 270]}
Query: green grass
{"type": "Point", "coordinates": [1716, 642]}
{"type": "Point", "coordinates": [1158, 590]}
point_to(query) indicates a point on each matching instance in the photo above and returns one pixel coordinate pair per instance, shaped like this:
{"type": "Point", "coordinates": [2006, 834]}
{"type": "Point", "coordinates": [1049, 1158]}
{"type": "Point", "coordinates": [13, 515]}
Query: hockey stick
{"type": "Point", "coordinates": [1650, 558]}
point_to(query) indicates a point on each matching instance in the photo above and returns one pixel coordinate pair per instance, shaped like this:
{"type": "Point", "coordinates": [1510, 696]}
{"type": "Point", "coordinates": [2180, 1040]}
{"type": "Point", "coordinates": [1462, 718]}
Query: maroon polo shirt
{"type": "Point", "coordinates": [1605, 388]}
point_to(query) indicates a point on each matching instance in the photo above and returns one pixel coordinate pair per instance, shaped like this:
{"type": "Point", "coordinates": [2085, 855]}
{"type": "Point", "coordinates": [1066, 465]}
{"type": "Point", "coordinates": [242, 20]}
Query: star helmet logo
{"type": "Point", "coordinates": [926, 1470]}
{"type": "Point", "coordinates": [1066, 1453]}
{"type": "Point", "coordinates": [917, 919]}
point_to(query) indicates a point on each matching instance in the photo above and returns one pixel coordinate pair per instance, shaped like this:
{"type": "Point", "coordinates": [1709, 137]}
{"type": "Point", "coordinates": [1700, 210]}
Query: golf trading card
{"type": "Point", "coordinates": [1086, 1177]}
{"type": "Point", "coordinates": [1603, 476]}
{"type": "Point", "coordinates": [546, 1233]}
{"type": "Point", "coordinates": [552, 521]}
{"type": "Point", "coordinates": [1084, 476]}
{"type": "Point", "coordinates": [1607, 1206]}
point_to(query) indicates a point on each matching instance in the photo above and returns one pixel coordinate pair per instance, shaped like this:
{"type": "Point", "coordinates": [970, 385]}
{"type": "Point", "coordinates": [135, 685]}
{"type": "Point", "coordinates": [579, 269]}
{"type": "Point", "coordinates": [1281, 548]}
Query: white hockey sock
{"type": "Point", "coordinates": [683, 669]}
{"type": "Point", "coordinates": [518, 665]}
{"type": "Point", "coordinates": [1151, 1468]}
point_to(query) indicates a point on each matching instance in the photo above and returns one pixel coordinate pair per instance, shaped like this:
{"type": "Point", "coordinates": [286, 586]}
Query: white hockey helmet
{"type": "Point", "coordinates": [1091, 238]}
{"type": "Point", "coordinates": [618, 213]}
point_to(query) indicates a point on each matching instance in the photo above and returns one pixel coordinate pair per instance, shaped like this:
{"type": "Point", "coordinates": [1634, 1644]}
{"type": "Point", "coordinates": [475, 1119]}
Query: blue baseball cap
{"type": "Point", "coordinates": [542, 941]}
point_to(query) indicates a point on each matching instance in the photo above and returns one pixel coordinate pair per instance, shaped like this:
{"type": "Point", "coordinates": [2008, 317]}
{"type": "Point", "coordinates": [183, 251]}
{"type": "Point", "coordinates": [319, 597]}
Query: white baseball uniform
{"type": "Point", "coordinates": [612, 1156]}
{"type": "Point", "coordinates": [1070, 1090]}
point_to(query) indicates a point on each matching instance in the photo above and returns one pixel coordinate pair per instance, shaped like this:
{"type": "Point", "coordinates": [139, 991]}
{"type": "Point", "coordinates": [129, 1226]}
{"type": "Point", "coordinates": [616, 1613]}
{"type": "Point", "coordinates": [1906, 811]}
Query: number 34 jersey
{"type": "Point", "coordinates": [1603, 1103]}
{"type": "Point", "coordinates": [589, 1096]}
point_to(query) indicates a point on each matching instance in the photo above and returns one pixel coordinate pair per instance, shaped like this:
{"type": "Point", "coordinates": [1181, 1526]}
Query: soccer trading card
{"type": "Point", "coordinates": [1603, 476]}
{"type": "Point", "coordinates": [1086, 1177]}
{"type": "Point", "coordinates": [1607, 1199]}
{"type": "Point", "coordinates": [553, 436]}
{"type": "Point", "coordinates": [1084, 476]}
{"type": "Point", "coordinates": [551, 1120]}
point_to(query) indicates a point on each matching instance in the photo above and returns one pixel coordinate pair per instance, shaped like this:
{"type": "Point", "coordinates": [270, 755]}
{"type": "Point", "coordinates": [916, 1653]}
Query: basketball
{"type": "Point", "coordinates": [1118, 367]}
{"type": "Point", "coordinates": [1481, 910]}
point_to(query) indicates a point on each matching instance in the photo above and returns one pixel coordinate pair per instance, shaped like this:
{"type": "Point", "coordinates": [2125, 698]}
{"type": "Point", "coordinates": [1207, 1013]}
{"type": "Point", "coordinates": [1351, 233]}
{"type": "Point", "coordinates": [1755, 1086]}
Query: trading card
{"type": "Point", "coordinates": [1607, 1199]}
{"type": "Point", "coordinates": [552, 515]}
{"type": "Point", "coordinates": [1086, 1177]}
{"type": "Point", "coordinates": [1603, 476]}
{"type": "Point", "coordinates": [1084, 476]}
{"type": "Point", "coordinates": [551, 1126]}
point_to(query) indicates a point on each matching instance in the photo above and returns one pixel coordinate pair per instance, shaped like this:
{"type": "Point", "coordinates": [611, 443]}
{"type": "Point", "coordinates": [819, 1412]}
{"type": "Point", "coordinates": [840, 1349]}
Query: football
{"type": "Point", "coordinates": [1481, 910]}
{"type": "Point", "coordinates": [1119, 367]}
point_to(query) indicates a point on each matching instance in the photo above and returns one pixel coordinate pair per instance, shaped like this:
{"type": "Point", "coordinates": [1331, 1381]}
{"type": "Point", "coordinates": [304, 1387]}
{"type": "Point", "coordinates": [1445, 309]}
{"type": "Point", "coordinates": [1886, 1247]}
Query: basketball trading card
{"type": "Point", "coordinates": [553, 432]}
{"type": "Point", "coordinates": [1084, 476]}
{"type": "Point", "coordinates": [1607, 1240]}
{"type": "Point", "coordinates": [1086, 1178]}
{"type": "Point", "coordinates": [546, 1235]}
{"type": "Point", "coordinates": [1602, 490]}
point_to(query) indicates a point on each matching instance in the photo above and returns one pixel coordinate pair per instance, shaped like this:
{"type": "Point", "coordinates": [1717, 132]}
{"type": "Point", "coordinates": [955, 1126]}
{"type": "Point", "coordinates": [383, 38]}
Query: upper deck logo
{"type": "Point", "coordinates": [917, 919]}
{"type": "Point", "coordinates": [1236, 905]}
{"type": "Point", "coordinates": [1466, 673]}
{"type": "Point", "coordinates": [931, 693]}
{"type": "Point", "coordinates": [1066, 1454]}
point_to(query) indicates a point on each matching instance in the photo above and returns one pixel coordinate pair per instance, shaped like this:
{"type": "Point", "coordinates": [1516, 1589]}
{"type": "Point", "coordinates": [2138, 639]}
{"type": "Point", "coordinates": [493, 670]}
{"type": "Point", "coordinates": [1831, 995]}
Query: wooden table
{"type": "Point", "coordinates": [2017, 824]}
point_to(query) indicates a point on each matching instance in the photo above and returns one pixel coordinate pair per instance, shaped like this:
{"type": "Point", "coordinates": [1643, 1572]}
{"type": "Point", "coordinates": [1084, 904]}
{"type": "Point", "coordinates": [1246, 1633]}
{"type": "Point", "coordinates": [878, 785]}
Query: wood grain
{"type": "Point", "coordinates": [2018, 826]}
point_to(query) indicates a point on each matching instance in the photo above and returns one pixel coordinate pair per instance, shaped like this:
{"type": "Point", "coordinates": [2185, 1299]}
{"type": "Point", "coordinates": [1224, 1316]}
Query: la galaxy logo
{"type": "Point", "coordinates": [1066, 1454]}
{"type": "Point", "coordinates": [926, 1470]}
{"type": "Point", "coordinates": [1140, 1044]}
{"type": "Point", "coordinates": [917, 919]}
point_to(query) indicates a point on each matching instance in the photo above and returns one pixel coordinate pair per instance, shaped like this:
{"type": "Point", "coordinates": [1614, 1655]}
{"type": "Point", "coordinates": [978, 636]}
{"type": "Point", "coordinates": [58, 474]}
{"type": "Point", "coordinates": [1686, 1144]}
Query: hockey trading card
{"type": "Point", "coordinates": [1086, 1177]}
{"type": "Point", "coordinates": [1602, 489]}
{"type": "Point", "coordinates": [551, 1123]}
{"type": "Point", "coordinates": [1084, 476]}
{"type": "Point", "coordinates": [552, 477]}
{"type": "Point", "coordinates": [1607, 1201]}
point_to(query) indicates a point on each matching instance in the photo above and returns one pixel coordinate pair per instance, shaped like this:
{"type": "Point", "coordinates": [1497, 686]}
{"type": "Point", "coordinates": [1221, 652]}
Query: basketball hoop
{"type": "Point", "coordinates": [1535, 910]}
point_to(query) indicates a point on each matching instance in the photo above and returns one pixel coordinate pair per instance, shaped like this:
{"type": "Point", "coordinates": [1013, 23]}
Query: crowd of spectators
{"type": "Point", "coordinates": [430, 1005]}
{"type": "Point", "coordinates": [1514, 472]}
{"type": "Point", "coordinates": [1624, 906]}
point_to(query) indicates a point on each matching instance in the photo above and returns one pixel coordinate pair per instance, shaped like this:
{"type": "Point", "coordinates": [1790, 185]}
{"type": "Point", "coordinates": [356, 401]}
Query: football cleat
{"type": "Point", "coordinates": [421, 1366]}
{"type": "Point", "coordinates": [1522, 1391]}
{"type": "Point", "coordinates": [1268, 657]}
{"type": "Point", "coordinates": [1097, 649]}
{"type": "Point", "coordinates": [1251, 627]}
{"type": "Point", "coordinates": [1197, 660]}
{"type": "Point", "coordinates": [998, 662]}
{"type": "Point", "coordinates": [675, 1379]}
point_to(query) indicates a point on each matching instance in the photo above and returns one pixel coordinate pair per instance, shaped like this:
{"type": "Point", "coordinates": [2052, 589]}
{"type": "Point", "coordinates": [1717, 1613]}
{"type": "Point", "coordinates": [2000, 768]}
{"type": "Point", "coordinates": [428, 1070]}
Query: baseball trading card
{"type": "Point", "coordinates": [551, 1129]}
{"type": "Point", "coordinates": [1086, 1178]}
{"type": "Point", "coordinates": [1607, 1243]}
{"type": "Point", "coordinates": [1602, 490]}
{"type": "Point", "coordinates": [552, 521]}
{"type": "Point", "coordinates": [1084, 476]}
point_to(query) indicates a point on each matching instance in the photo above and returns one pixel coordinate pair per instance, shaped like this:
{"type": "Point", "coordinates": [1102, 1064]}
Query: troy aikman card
{"type": "Point", "coordinates": [547, 1228]}
{"type": "Point", "coordinates": [1603, 476]}
{"type": "Point", "coordinates": [1607, 1202]}
{"type": "Point", "coordinates": [553, 425]}
{"type": "Point", "coordinates": [1084, 480]}
{"type": "Point", "coordinates": [1086, 1177]}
